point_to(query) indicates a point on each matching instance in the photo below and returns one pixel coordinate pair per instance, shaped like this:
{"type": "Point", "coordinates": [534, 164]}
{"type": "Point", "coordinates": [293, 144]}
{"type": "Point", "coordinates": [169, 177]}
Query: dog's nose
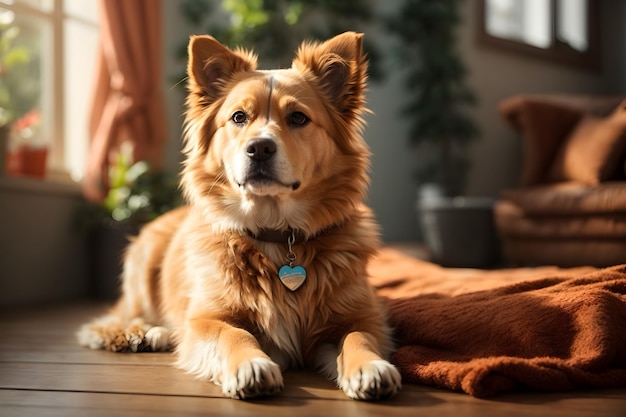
{"type": "Point", "coordinates": [261, 149]}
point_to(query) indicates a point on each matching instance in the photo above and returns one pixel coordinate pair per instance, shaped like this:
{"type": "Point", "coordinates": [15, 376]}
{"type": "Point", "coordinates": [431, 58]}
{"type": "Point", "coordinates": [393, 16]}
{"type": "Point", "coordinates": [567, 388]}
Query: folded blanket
{"type": "Point", "coordinates": [490, 332]}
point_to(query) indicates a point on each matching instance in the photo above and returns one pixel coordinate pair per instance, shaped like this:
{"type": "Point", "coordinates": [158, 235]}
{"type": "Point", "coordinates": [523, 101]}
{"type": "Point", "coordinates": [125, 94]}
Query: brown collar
{"type": "Point", "coordinates": [282, 236]}
{"type": "Point", "coordinates": [278, 236]}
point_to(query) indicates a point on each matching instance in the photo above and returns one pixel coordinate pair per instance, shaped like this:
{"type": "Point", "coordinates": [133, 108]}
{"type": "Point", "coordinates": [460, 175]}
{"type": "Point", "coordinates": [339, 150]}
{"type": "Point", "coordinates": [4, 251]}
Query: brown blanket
{"type": "Point", "coordinates": [490, 332]}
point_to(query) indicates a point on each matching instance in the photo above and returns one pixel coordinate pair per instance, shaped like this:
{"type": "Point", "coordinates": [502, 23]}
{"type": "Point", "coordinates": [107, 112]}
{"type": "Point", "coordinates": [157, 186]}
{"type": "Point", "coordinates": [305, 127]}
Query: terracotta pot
{"type": "Point", "coordinates": [26, 160]}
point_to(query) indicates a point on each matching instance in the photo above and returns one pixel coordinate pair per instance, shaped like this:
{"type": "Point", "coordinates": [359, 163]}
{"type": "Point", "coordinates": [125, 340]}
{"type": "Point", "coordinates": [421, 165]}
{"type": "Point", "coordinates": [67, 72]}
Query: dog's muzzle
{"type": "Point", "coordinates": [262, 167]}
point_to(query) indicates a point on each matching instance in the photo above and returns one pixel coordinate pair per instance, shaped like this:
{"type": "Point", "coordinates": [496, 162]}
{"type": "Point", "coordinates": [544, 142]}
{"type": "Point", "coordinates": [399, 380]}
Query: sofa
{"type": "Point", "coordinates": [570, 206]}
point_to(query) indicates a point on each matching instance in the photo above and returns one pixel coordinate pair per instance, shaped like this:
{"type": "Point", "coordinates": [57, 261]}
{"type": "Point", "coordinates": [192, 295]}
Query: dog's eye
{"type": "Point", "coordinates": [239, 117]}
{"type": "Point", "coordinates": [297, 118]}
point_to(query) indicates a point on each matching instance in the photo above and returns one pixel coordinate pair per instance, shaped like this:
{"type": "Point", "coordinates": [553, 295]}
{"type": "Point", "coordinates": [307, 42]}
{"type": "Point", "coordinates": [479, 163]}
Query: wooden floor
{"type": "Point", "coordinates": [44, 373]}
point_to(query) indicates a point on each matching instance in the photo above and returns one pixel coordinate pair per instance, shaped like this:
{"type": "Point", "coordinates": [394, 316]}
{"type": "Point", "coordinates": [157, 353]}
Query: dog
{"type": "Point", "coordinates": [265, 268]}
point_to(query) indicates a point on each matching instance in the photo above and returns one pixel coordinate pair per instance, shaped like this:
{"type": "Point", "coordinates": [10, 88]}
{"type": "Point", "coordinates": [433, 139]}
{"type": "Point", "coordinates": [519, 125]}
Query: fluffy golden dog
{"type": "Point", "coordinates": [265, 268]}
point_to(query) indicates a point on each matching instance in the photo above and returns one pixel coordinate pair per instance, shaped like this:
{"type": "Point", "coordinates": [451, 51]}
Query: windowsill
{"type": "Point", "coordinates": [56, 185]}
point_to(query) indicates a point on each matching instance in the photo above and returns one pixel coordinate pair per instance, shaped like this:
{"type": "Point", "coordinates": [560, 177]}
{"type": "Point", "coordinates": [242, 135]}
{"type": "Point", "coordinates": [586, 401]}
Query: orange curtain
{"type": "Point", "coordinates": [128, 103]}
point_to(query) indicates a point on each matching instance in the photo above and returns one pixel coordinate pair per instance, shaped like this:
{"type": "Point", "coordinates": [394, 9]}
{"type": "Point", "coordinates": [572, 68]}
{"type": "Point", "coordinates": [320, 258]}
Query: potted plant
{"type": "Point", "coordinates": [22, 150]}
{"type": "Point", "coordinates": [441, 130]}
{"type": "Point", "coordinates": [27, 153]}
{"type": "Point", "coordinates": [137, 195]}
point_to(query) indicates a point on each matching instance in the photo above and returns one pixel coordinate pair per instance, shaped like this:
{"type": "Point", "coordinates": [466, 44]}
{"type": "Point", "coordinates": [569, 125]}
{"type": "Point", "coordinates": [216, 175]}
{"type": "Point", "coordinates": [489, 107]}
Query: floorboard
{"type": "Point", "coordinates": [43, 372]}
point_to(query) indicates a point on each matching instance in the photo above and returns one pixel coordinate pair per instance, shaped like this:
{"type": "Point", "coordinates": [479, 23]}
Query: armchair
{"type": "Point", "coordinates": [570, 206]}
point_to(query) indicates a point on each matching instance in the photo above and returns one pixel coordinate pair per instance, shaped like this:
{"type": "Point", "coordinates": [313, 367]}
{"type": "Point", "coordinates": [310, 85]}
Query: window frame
{"type": "Point", "coordinates": [559, 52]}
{"type": "Point", "coordinates": [54, 82]}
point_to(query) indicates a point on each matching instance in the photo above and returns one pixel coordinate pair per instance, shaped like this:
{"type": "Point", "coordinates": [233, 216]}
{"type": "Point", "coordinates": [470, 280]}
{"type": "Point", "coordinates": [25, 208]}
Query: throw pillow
{"type": "Point", "coordinates": [594, 150]}
{"type": "Point", "coordinates": [544, 125]}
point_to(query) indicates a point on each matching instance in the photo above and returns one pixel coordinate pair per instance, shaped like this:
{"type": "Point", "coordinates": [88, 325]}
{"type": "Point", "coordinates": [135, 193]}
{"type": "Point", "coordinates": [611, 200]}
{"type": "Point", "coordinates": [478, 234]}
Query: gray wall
{"type": "Point", "coordinates": [42, 255]}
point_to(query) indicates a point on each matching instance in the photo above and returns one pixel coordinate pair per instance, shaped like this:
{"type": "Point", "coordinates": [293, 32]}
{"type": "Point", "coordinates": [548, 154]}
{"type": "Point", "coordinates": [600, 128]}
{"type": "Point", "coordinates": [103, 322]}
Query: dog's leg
{"type": "Point", "coordinates": [113, 332]}
{"type": "Point", "coordinates": [133, 324]}
{"type": "Point", "coordinates": [361, 371]}
{"type": "Point", "coordinates": [230, 357]}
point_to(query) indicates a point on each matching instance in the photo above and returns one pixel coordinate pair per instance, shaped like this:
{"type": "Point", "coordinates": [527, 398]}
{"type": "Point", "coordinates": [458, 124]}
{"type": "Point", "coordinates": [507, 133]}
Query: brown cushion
{"type": "Point", "coordinates": [511, 221]}
{"type": "Point", "coordinates": [594, 151]}
{"type": "Point", "coordinates": [570, 198]}
{"type": "Point", "coordinates": [544, 126]}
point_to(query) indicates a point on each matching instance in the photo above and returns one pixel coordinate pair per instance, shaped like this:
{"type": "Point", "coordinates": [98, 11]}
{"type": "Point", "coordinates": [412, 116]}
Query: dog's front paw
{"type": "Point", "coordinates": [253, 378]}
{"type": "Point", "coordinates": [374, 380]}
{"type": "Point", "coordinates": [111, 333]}
{"type": "Point", "coordinates": [157, 339]}
{"type": "Point", "coordinates": [106, 332]}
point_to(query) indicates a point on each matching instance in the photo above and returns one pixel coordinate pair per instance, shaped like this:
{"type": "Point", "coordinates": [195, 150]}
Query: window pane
{"type": "Point", "coordinates": [572, 23]}
{"type": "Point", "coordinates": [53, 66]}
{"type": "Point", "coordinates": [85, 10]}
{"type": "Point", "coordinates": [538, 23]}
{"type": "Point", "coordinates": [80, 45]}
{"type": "Point", "coordinates": [26, 69]}
{"type": "Point", "coordinates": [527, 21]}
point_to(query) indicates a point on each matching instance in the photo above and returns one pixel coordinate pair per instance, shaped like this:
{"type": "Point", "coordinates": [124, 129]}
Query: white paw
{"type": "Point", "coordinates": [99, 333]}
{"type": "Point", "coordinates": [253, 378]}
{"type": "Point", "coordinates": [88, 337]}
{"type": "Point", "coordinates": [372, 381]}
{"type": "Point", "coordinates": [157, 339]}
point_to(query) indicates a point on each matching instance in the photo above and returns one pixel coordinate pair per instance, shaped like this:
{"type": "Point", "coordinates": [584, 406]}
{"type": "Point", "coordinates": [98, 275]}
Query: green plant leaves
{"type": "Point", "coordinates": [438, 98]}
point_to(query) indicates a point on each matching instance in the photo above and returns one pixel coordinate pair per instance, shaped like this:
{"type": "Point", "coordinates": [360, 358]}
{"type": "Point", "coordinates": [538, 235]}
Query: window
{"type": "Point", "coordinates": [564, 31]}
{"type": "Point", "coordinates": [56, 46]}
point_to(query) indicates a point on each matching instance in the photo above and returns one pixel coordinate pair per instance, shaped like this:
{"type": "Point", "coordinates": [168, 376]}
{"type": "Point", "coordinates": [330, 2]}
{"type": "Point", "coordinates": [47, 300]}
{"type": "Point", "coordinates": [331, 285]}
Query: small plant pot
{"type": "Point", "coordinates": [27, 160]}
{"type": "Point", "coordinates": [460, 231]}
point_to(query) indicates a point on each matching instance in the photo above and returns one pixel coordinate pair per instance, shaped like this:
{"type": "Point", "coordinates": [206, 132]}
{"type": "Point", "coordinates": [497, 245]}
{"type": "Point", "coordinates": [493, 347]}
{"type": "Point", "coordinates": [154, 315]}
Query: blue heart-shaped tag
{"type": "Point", "coordinates": [292, 277]}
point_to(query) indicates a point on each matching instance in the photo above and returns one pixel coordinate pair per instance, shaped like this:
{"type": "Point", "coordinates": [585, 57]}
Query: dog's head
{"type": "Point", "coordinates": [278, 148]}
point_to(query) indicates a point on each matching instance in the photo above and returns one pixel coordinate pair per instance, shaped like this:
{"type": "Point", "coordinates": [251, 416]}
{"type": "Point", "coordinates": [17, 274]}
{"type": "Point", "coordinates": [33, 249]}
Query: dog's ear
{"type": "Point", "coordinates": [340, 68]}
{"type": "Point", "coordinates": [211, 64]}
